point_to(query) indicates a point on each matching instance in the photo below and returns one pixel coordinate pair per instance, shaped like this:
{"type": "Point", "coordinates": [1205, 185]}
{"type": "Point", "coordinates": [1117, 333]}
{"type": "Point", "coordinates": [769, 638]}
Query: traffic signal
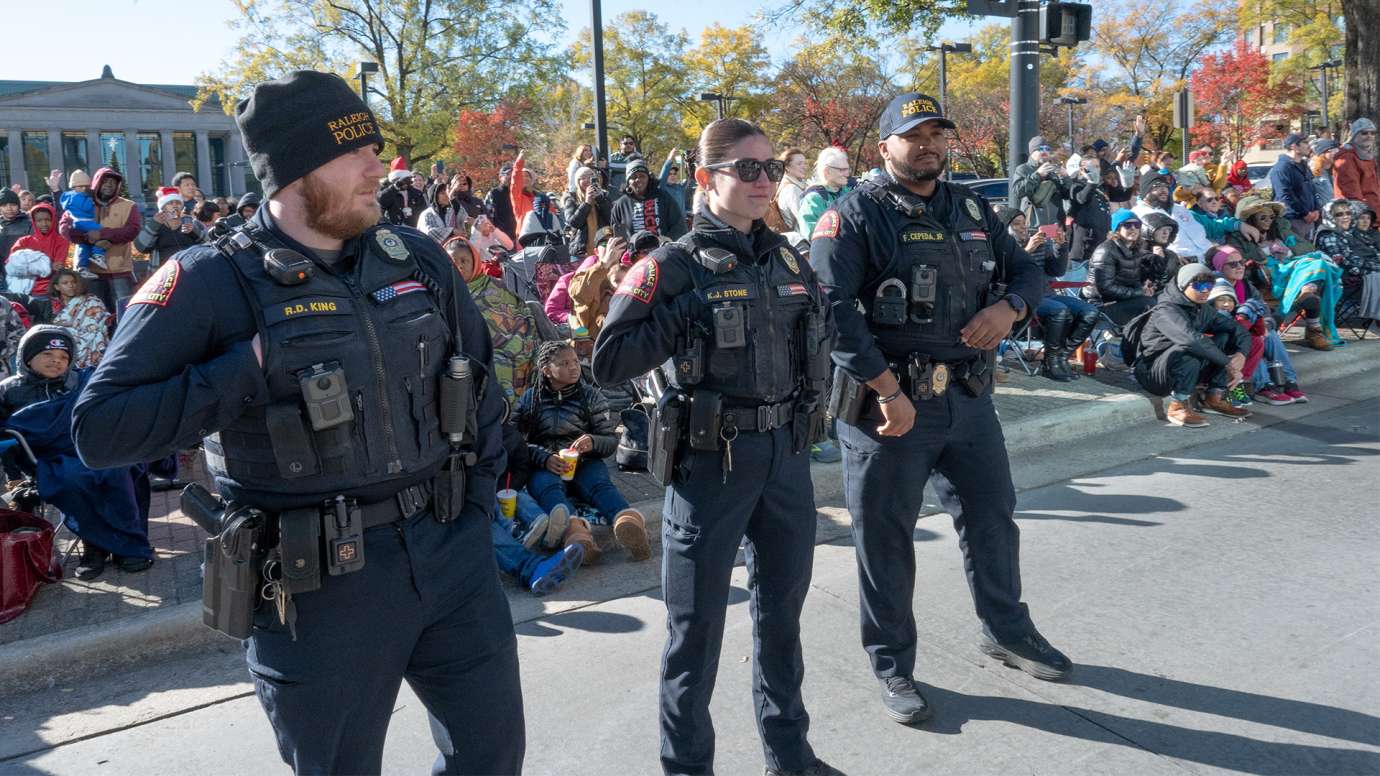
{"type": "Point", "coordinates": [1065, 24]}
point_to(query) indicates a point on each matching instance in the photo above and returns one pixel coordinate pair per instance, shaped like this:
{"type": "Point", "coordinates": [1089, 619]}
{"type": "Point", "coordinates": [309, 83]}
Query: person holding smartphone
{"type": "Point", "coordinates": [172, 229]}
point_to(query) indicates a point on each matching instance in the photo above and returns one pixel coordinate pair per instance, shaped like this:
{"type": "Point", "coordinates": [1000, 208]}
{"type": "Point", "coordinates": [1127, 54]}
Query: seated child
{"type": "Point", "coordinates": [565, 411]}
{"type": "Point", "coordinates": [79, 203]}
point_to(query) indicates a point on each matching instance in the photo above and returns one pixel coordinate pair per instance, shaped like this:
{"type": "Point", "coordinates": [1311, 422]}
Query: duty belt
{"type": "Point", "coordinates": [765, 417]}
{"type": "Point", "coordinates": [404, 504]}
{"type": "Point", "coordinates": [923, 378]}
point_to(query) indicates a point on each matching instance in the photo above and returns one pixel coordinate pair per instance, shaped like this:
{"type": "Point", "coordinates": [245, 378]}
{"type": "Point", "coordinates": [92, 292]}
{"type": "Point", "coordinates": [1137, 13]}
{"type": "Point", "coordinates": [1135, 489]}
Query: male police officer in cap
{"type": "Point", "coordinates": [324, 358]}
{"type": "Point", "coordinates": [941, 283]}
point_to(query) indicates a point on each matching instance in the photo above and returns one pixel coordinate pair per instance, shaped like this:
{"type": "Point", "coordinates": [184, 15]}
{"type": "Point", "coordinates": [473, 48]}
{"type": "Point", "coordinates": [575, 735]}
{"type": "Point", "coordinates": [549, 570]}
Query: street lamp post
{"type": "Point", "coordinates": [1322, 69]}
{"type": "Point", "coordinates": [601, 124]}
{"type": "Point", "coordinates": [944, 48]}
{"type": "Point", "coordinates": [714, 97]}
{"type": "Point", "coordinates": [365, 69]}
{"type": "Point", "coordinates": [1070, 102]}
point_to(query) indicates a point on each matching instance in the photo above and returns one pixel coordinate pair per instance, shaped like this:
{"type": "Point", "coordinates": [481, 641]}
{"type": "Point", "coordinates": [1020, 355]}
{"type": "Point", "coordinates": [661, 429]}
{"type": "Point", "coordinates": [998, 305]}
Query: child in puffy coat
{"type": "Point", "coordinates": [564, 411]}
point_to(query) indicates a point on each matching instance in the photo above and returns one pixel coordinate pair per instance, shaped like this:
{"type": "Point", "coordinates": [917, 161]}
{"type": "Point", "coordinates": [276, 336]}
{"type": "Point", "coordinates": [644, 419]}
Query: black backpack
{"type": "Point", "coordinates": [1130, 337]}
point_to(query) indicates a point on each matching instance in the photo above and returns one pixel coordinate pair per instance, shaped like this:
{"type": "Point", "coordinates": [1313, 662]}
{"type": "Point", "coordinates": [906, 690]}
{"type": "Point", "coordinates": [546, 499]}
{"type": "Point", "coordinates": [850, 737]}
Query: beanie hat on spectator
{"type": "Point", "coordinates": [1007, 214]}
{"type": "Point", "coordinates": [1148, 180]}
{"type": "Point", "coordinates": [1189, 273]}
{"type": "Point", "coordinates": [1124, 216]}
{"type": "Point", "coordinates": [295, 124]}
{"type": "Point", "coordinates": [1099, 145]}
{"type": "Point", "coordinates": [638, 165]}
{"type": "Point", "coordinates": [1222, 287]}
{"type": "Point", "coordinates": [78, 178]}
{"type": "Point", "coordinates": [1292, 139]}
{"type": "Point", "coordinates": [45, 337]}
{"type": "Point", "coordinates": [1322, 145]}
{"type": "Point", "coordinates": [1035, 143]}
{"type": "Point", "coordinates": [168, 194]}
{"type": "Point", "coordinates": [8, 197]}
{"type": "Point", "coordinates": [1358, 126]}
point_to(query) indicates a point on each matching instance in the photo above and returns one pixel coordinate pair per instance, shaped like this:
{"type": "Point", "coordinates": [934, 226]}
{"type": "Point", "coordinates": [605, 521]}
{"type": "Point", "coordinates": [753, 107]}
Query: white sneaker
{"type": "Point", "coordinates": [535, 532]}
{"type": "Point", "coordinates": [556, 524]}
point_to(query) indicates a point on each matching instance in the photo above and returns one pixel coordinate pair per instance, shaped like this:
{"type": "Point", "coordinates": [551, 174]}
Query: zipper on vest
{"type": "Point", "coordinates": [380, 378]}
{"type": "Point", "coordinates": [764, 275]}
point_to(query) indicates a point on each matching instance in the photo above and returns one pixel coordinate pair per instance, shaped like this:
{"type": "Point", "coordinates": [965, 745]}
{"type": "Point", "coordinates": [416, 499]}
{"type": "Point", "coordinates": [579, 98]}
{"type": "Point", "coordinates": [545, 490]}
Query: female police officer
{"type": "Point", "coordinates": [742, 318]}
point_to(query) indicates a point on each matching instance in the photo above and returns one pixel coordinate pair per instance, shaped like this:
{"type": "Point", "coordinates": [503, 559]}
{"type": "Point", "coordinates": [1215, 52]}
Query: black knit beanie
{"type": "Point", "coordinates": [300, 122]}
{"type": "Point", "coordinates": [45, 337]}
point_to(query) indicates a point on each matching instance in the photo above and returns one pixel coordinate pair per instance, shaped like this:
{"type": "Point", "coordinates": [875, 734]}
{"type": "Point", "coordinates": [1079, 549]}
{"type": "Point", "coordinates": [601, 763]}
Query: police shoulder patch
{"type": "Point", "coordinates": [971, 205]}
{"type": "Point", "coordinates": [827, 226]}
{"type": "Point", "coordinates": [391, 245]}
{"type": "Point", "coordinates": [158, 290]}
{"type": "Point", "coordinates": [640, 282]}
{"type": "Point", "coordinates": [789, 258]}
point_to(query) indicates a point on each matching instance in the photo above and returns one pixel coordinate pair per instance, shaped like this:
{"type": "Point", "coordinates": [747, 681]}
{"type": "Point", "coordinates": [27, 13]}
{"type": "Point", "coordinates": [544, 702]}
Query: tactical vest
{"type": "Point", "coordinates": [772, 299]}
{"type": "Point", "coordinates": [937, 279]}
{"type": "Point", "coordinates": [371, 343]}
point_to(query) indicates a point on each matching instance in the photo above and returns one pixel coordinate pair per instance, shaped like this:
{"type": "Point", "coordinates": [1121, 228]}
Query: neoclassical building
{"type": "Point", "coordinates": [148, 131]}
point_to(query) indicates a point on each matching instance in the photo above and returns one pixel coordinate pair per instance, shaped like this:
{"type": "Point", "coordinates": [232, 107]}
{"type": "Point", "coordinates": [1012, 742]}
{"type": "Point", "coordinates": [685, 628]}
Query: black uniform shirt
{"type": "Point", "coordinates": [852, 249]}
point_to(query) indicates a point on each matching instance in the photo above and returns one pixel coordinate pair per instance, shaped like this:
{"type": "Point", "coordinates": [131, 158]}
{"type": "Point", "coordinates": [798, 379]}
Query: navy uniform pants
{"type": "Point", "coordinates": [768, 506]}
{"type": "Point", "coordinates": [426, 607]}
{"type": "Point", "coordinates": [957, 443]}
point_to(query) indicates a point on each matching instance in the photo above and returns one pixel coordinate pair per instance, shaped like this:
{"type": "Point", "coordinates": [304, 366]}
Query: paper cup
{"type": "Point", "coordinates": [570, 458]}
{"type": "Point", "coordinates": [507, 503]}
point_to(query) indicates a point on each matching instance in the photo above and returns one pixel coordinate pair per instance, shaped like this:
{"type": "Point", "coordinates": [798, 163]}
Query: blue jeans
{"type": "Point", "coordinates": [1053, 302]}
{"type": "Point", "coordinates": [1274, 351]}
{"type": "Point", "coordinates": [591, 483]}
{"type": "Point", "coordinates": [512, 557]}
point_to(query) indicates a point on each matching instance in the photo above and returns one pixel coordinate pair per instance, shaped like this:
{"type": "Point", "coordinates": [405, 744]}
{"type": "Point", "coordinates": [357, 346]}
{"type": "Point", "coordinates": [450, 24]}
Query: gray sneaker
{"type": "Point", "coordinates": [536, 532]}
{"type": "Point", "coordinates": [903, 701]}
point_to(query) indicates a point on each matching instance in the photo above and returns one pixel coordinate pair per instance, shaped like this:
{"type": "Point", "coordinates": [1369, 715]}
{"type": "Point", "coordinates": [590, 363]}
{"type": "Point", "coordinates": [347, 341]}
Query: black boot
{"type": "Point", "coordinates": [92, 562]}
{"type": "Point", "coordinates": [1055, 365]}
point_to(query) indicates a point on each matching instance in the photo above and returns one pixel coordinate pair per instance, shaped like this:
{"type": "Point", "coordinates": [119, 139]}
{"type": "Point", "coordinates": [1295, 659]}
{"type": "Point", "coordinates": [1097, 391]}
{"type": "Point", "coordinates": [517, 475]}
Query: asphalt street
{"type": "Point", "coordinates": [1220, 602]}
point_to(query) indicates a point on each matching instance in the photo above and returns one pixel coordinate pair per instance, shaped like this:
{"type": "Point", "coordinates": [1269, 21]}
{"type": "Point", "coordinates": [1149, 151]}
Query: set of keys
{"type": "Point", "coordinates": [274, 590]}
{"type": "Point", "coordinates": [728, 434]}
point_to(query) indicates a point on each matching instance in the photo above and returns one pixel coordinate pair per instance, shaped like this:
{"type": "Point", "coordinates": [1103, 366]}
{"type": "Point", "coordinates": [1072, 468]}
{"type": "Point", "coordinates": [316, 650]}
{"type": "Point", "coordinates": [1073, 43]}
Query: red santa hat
{"type": "Point", "coordinates": [168, 194]}
{"type": "Point", "coordinates": [398, 164]}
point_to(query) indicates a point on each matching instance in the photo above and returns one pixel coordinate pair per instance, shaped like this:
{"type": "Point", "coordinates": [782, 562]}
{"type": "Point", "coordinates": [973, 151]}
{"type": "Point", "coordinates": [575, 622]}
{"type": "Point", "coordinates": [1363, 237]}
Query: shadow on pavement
{"type": "Point", "coordinates": [1221, 750]}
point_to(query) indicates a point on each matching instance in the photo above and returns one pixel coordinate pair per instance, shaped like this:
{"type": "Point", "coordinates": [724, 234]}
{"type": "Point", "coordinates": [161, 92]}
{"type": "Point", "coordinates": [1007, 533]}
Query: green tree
{"type": "Point", "coordinates": [732, 62]}
{"type": "Point", "coordinates": [435, 57]}
{"type": "Point", "coordinates": [871, 18]}
{"type": "Point", "coordinates": [646, 85]}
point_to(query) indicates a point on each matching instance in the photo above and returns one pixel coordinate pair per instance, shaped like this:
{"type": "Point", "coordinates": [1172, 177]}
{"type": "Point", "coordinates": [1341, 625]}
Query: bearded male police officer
{"type": "Point", "coordinates": [940, 283]}
{"type": "Point", "coordinates": [321, 356]}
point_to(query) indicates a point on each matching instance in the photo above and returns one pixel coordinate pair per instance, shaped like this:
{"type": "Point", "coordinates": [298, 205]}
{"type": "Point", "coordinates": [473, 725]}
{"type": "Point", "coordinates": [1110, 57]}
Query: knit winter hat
{"type": "Point", "coordinates": [1360, 125]}
{"type": "Point", "coordinates": [295, 124]}
{"type": "Point", "coordinates": [1150, 179]}
{"type": "Point", "coordinates": [1035, 143]}
{"type": "Point", "coordinates": [1189, 273]}
{"type": "Point", "coordinates": [78, 178]}
{"type": "Point", "coordinates": [1008, 214]}
{"type": "Point", "coordinates": [168, 194]}
{"type": "Point", "coordinates": [8, 197]}
{"type": "Point", "coordinates": [638, 165]}
{"type": "Point", "coordinates": [45, 337]}
{"type": "Point", "coordinates": [1124, 216]}
{"type": "Point", "coordinates": [1222, 287]}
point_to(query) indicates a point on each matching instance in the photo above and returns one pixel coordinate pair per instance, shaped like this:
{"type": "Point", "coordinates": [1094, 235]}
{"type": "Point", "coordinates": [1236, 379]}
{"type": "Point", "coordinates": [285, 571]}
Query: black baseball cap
{"type": "Point", "coordinates": [911, 110]}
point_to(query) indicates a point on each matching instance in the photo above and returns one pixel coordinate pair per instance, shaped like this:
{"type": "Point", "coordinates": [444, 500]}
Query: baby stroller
{"type": "Point", "coordinates": [27, 539]}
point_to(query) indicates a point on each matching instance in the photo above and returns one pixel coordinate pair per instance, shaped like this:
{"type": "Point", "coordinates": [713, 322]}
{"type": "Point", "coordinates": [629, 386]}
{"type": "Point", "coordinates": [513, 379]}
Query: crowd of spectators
{"type": "Point", "coordinates": [1195, 270]}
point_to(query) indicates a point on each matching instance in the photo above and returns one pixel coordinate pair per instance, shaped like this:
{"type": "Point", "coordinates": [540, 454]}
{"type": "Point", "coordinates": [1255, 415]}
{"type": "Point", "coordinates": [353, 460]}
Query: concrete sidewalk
{"type": "Point", "coordinates": [81, 628]}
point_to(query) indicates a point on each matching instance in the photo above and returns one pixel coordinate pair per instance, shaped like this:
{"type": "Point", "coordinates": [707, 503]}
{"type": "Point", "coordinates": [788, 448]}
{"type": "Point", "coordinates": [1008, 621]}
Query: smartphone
{"type": "Point", "coordinates": [1050, 230]}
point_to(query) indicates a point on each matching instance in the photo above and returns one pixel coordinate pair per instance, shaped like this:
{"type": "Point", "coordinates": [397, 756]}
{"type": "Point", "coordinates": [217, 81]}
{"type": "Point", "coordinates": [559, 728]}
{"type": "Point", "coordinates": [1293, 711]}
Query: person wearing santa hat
{"type": "Point", "coordinates": [170, 231]}
{"type": "Point", "coordinates": [400, 201]}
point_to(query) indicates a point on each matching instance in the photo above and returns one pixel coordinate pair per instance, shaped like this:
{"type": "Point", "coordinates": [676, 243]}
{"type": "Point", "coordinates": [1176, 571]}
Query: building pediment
{"type": "Point", "coordinates": [98, 94]}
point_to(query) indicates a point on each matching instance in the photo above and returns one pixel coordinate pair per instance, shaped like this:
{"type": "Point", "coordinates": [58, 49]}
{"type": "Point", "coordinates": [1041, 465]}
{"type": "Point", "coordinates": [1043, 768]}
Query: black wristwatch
{"type": "Point", "coordinates": [1017, 304]}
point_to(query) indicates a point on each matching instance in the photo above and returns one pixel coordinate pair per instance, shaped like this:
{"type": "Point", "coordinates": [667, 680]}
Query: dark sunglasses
{"type": "Point", "coordinates": [749, 170]}
{"type": "Point", "coordinates": [1233, 264]}
{"type": "Point", "coordinates": [1207, 199]}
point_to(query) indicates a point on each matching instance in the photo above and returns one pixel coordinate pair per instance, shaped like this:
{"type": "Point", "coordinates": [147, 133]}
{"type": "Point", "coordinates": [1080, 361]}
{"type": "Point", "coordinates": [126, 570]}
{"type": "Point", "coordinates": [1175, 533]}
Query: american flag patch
{"type": "Point", "coordinates": [389, 293]}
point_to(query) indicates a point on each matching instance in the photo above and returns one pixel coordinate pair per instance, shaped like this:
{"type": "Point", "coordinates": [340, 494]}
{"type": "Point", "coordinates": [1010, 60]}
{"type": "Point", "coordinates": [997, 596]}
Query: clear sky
{"type": "Point", "coordinates": [171, 41]}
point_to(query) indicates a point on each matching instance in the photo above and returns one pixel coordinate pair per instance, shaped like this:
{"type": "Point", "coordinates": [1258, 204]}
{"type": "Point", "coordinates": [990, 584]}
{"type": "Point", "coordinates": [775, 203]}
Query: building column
{"type": "Point", "coordinates": [17, 173]}
{"type": "Point", "coordinates": [203, 163]}
{"type": "Point", "coordinates": [95, 155]}
{"type": "Point", "coordinates": [55, 160]}
{"type": "Point", "coordinates": [165, 141]}
{"type": "Point", "coordinates": [134, 171]}
{"type": "Point", "coordinates": [234, 164]}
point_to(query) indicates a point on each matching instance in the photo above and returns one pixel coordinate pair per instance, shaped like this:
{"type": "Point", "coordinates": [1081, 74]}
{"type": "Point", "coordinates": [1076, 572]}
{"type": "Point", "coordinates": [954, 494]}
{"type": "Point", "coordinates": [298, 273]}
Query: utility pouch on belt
{"type": "Point", "coordinates": [706, 412]}
{"type": "Point", "coordinates": [299, 549]}
{"type": "Point", "coordinates": [849, 398]}
{"type": "Point", "coordinates": [448, 496]}
{"type": "Point", "coordinates": [689, 362]}
{"type": "Point", "coordinates": [663, 443]}
{"type": "Point", "coordinates": [233, 558]}
{"type": "Point", "coordinates": [344, 527]}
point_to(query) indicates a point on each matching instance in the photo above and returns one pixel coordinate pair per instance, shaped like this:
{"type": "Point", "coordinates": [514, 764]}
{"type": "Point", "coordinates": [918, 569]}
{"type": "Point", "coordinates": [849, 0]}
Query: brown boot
{"type": "Point", "coordinates": [577, 532]}
{"type": "Point", "coordinates": [1315, 339]}
{"type": "Point", "coordinates": [1217, 403]}
{"type": "Point", "coordinates": [630, 529]}
{"type": "Point", "coordinates": [1179, 414]}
